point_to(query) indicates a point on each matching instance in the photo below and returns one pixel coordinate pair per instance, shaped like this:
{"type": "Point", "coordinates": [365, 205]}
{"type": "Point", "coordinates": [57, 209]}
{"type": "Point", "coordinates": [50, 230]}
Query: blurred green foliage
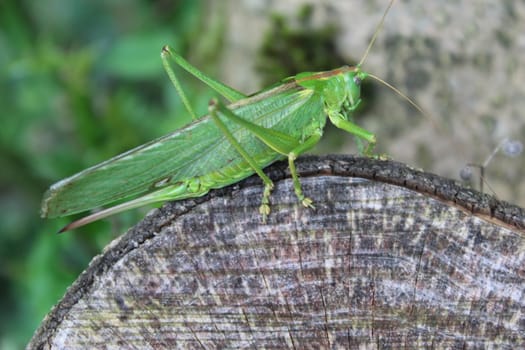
{"type": "Point", "coordinates": [80, 81]}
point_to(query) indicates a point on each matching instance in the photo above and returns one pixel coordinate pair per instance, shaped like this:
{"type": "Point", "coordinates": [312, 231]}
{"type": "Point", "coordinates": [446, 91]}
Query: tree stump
{"type": "Point", "coordinates": [390, 257]}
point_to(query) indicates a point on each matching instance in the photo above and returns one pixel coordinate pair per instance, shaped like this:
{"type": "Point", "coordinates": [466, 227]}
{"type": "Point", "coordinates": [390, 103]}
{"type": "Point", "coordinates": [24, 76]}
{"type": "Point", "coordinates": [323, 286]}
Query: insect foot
{"type": "Point", "coordinates": [382, 156]}
{"type": "Point", "coordinates": [307, 202]}
{"type": "Point", "coordinates": [264, 209]}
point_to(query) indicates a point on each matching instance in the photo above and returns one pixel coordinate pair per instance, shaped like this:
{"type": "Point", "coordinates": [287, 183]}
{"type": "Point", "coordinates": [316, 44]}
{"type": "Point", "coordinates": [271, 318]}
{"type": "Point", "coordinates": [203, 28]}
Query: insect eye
{"type": "Point", "coordinates": [357, 81]}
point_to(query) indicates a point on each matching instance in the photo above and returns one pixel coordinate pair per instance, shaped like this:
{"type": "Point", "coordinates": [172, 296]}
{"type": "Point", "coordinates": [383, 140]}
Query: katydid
{"type": "Point", "coordinates": [232, 142]}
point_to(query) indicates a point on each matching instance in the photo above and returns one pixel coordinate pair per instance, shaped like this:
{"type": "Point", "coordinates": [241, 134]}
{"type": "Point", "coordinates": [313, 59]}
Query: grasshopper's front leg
{"type": "Point", "coordinates": [342, 123]}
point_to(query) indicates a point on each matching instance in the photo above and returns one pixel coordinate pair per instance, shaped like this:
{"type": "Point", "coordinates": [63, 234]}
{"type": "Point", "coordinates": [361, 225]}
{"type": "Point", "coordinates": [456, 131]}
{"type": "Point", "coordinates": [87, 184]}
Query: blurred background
{"type": "Point", "coordinates": [82, 81]}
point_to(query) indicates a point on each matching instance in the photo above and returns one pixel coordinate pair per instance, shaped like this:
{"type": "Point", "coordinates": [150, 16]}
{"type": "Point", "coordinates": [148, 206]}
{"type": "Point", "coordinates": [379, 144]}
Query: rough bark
{"type": "Point", "coordinates": [390, 257]}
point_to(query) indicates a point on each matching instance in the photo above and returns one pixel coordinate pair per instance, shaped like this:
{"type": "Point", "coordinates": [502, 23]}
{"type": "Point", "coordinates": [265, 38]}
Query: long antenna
{"type": "Point", "coordinates": [408, 99]}
{"type": "Point", "coordinates": [397, 91]}
{"type": "Point", "coordinates": [375, 33]}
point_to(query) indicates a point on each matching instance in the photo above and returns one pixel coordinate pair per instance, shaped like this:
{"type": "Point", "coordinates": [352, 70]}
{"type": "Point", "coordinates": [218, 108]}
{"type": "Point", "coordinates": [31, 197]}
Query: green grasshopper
{"type": "Point", "coordinates": [229, 144]}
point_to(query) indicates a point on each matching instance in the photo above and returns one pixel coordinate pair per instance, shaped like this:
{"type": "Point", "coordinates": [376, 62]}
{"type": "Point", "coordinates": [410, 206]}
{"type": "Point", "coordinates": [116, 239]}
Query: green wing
{"type": "Point", "coordinates": [194, 150]}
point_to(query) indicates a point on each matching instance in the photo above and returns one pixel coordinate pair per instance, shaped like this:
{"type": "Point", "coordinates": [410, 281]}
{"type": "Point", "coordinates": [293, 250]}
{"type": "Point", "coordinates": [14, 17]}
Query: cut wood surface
{"type": "Point", "coordinates": [390, 257]}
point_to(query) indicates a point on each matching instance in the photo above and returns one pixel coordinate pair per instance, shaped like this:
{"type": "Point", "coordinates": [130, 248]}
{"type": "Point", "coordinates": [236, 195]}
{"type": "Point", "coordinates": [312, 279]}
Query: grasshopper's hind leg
{"type": "Point", "coordinates": [228, 92]}
{"type": "Point", "coordinates": [168, 53]}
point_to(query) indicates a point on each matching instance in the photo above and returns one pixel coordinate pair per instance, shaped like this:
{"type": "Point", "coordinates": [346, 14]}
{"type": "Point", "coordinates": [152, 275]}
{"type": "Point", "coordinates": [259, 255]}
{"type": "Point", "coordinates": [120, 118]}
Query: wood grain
{"type": "Point", "coordinates": [390, 257]}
